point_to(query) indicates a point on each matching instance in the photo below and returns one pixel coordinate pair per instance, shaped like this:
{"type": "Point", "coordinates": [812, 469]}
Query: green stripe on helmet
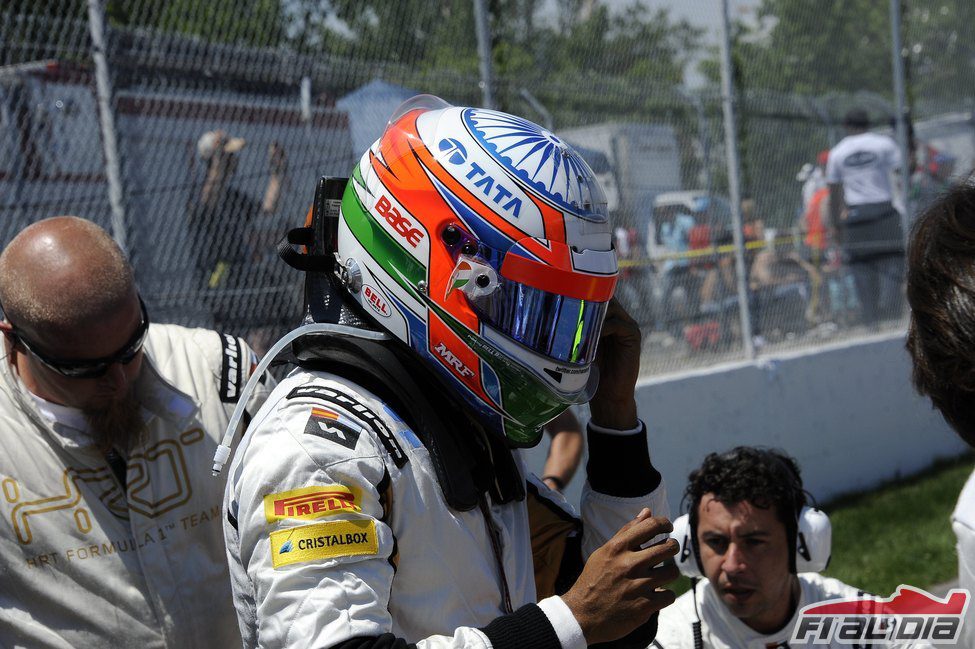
{"type": "Point", "coordinates": [384, 249]}
{"type": "Point", "coordinates": [528, 402]}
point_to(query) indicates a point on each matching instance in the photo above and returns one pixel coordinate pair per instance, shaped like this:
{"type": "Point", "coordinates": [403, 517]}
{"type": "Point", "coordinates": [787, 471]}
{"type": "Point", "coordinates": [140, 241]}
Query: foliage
{"type": "Point", "coordinates": [244, 22]}
{"type": "Point", "coordinates": [845, 47]}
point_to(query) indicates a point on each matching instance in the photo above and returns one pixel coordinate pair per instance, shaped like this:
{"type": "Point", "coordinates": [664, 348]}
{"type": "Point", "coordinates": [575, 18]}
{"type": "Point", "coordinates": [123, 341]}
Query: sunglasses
{"type": "Point", "coordinates": [95, 367]}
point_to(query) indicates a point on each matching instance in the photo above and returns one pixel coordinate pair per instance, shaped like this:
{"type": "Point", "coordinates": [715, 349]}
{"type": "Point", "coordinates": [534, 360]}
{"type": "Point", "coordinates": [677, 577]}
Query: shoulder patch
{"type": "Point", "coordinates": [231, 369]}
{"type": "Point", "coordinates": [309, 503]}
{"type": "Point", "coordinates": [334, 427]}
{"type": "Point", "coordinates": [323, 541]}
{"type": "Point", "coordinates": [343, 435]}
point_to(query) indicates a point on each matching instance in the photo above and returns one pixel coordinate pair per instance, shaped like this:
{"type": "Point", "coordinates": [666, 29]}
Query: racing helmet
{"type": "Point", "coordinates": [481, 240]}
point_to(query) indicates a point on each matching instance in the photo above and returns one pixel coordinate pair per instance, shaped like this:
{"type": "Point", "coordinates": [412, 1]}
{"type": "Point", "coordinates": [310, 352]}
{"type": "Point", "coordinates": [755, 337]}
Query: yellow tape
{"type": "Point", "coordinates": [323, 541]}
{"type": "Point", "coordinates": [703, 252]}
{"type": "Point", "coordinates": [309, 503]}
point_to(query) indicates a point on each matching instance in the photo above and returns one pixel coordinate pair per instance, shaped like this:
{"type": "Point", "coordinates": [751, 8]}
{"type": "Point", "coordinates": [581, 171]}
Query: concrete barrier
{"type": "Point", "coordinates": [846, 412]}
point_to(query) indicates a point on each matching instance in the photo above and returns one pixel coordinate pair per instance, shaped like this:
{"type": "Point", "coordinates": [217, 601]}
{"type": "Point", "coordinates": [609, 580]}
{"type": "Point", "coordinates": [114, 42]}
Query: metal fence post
{"type": "Point", "coordinates": [901, 101]}
{"type": "Point", "coordinates": [484, 52]}
{"type": "Point", "coordinates": [734, 186]}
{"type": "Point", "coordinates": [106, 114]}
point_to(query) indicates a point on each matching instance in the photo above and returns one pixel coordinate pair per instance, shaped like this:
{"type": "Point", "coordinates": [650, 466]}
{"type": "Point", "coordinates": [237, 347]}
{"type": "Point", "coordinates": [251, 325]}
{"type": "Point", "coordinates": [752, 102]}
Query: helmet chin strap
{"type": "Point", "coordinates": [222, 453]}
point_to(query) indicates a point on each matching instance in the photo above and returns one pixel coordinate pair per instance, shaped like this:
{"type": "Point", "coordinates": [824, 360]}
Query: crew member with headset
{"type": "Point", "coordinates": [753, 550]}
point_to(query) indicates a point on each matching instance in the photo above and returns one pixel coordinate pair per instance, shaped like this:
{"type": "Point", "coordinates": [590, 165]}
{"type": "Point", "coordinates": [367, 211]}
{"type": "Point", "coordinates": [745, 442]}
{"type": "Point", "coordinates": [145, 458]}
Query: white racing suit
{"type": "Point", "coordinates": [88, 562]}
{"type": "Point", "coordinates": [340, 535]}
{"type": "Point", "coordinates": [719, 629]}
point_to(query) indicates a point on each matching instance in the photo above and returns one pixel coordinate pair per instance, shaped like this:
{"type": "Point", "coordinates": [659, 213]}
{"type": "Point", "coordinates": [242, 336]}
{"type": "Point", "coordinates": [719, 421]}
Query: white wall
{"type": "Point", "coordinates": [847, 413]}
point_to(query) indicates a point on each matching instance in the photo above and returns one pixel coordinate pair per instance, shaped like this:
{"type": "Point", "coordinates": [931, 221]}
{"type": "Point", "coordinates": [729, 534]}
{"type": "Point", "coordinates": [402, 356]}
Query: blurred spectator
{"type": "Point", "coordinates": [843, 303]}
{"type": "Point", "coordinates": [779, 281]}
{"type": "Point", "coordinates": [858, 171]}
{"type": "Point", "coordinates": [634, 288]}
{"type": "Point", "coordinates": [817, 239]}
{"type": "Point", "coordinates": [813, 177]}
{"type": "Point", "coordinates": [222, 225]}
{"type": "Point", "coordinates": [675, 227]}
{"type": "Point", "coordinates": [930, 179]}
{"type": "Point", "coordinates": [941, 341]}
{"type": "Point", "coordinates": [564, 451]}
{"type": "Point", "coordinates": [621, 241]}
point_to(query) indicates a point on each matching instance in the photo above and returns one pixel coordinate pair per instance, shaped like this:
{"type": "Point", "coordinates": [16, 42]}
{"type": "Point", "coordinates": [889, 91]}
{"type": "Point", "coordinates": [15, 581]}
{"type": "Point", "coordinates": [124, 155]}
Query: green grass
{"type": "Point", "coordinates": [899, 533]}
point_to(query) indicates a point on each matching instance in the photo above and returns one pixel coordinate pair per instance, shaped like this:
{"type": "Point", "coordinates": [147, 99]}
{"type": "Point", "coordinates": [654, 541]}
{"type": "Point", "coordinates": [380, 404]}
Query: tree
{"type": "Point", "coordinates": [803, 64]}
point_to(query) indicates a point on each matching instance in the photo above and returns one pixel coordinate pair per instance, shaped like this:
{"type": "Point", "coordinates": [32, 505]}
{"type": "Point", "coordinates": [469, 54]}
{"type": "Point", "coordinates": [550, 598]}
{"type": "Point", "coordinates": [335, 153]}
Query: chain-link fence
{"type": "Point", "coordinates": [195, 133]}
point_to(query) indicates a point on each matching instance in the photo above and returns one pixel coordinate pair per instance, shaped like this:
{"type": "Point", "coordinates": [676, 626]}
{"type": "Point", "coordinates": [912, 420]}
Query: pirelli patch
{"type": "Point", "coordinates": [323, 541]}
{"type": "Point", "coordinates": [309, 503]}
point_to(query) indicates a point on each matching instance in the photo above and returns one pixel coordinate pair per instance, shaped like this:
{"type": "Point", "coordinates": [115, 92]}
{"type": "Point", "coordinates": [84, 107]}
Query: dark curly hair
{"type": "Point", "coordinates": [941, 292]}
{"type": "Point", "coordinates": [766, 478]}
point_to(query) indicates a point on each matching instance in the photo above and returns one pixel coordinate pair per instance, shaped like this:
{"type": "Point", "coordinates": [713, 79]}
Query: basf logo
{"type": "Point", "coordinates": [909, 615]}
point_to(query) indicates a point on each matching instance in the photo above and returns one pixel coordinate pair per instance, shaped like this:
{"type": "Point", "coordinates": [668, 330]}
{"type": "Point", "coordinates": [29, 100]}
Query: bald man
{"type": "Point", "coordinates": [110, 524]}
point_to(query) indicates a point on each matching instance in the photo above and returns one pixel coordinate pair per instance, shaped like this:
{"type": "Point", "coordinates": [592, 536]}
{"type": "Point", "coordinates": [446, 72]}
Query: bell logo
{"type": "Point", "coordinates": [376, 301]}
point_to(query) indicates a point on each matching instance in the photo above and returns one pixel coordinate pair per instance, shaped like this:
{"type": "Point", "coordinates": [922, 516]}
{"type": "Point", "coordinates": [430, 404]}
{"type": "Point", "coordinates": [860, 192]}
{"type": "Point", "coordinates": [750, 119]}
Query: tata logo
{"type": "Point", "coordinates": [402, 225]}
{"type": "Point", "coordinates": [453, 151]}
{"type": "Point", "coordinates": [492, 189]}
{"type": "Point", "coordinates": [376, 301]}
{"type": "Point", "coordinates": [453, 361]}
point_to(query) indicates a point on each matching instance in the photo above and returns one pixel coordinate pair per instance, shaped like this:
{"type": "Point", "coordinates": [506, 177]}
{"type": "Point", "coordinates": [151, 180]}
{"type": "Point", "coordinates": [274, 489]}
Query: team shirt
{"type": "Point", "coordinates": [863, 164]}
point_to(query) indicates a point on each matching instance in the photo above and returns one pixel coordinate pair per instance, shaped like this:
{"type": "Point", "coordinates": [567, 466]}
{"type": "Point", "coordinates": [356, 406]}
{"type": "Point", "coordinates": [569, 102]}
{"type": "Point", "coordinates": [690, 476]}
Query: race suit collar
{"type": "Point", "coordinates": [468, 461]}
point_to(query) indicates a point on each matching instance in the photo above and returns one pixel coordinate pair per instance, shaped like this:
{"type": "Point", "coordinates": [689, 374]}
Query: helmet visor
{"type": "Point", "coordinates": [562, 328]}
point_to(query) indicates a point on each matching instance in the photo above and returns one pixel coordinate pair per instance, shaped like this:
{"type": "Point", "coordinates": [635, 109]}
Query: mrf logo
{"type": "Point", "coordinates": [400, 224]}
{"type": "Point", "coordinates": [453, 361]}
{"type": "Point", "coordinates": [907, 616]}
{"type": "Point", "coordinates": [376, 301]}
{"type": "Point", "coordinates": [492, 189]}
{"type": "Point", "coordinates": [310, 503]}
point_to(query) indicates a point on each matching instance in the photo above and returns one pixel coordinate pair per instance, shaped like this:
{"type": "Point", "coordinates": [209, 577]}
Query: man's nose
{"type": "Point", "coordinates": [734, 560]}
{"type": "Point", "coordinates": [116, 377]}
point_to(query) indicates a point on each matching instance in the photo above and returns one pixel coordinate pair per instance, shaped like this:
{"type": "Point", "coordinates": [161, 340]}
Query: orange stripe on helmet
{"type": "Point", "coordinates": [558, 280]}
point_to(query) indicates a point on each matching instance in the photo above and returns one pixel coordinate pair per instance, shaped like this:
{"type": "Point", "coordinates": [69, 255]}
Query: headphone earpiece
{"type": "Point", "coordinates": [686, 558]}
{"type": "Point", "coordinates": [814, 540]}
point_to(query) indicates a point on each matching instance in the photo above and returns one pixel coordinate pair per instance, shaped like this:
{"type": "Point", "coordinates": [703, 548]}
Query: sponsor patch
{"type": "Point", "coordinates": [231, 370]}
{"type": "Point", "coordinates": [309, 503]}
{"type": "Point", "coordinates": [323, 541]}
{"type": "Point", "coordinates": [376, 301]}
{"type": "Point", "coordinates": [351, 405]}
{"type": "Point", "coordinates": [332, 426]}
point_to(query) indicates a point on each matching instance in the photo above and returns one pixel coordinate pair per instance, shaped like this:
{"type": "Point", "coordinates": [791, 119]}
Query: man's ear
{"type": "Point", "coordinates": [9, 336]}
